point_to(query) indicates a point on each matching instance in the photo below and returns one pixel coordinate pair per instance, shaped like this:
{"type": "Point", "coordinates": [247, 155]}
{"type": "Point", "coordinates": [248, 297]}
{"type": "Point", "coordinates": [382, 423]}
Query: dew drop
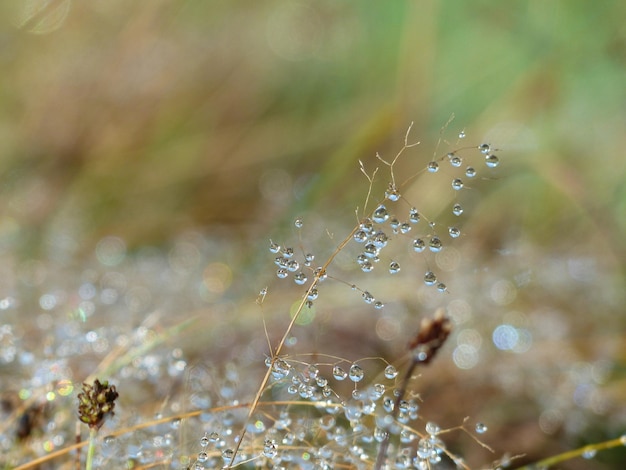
{"type": "Point", "coordinates": [394, 267]}
{"type": "Point", "coordinates": [367, 297]}
{"type": "Point", "coordinates": [227, 454]}
{"type": "Point", "coordinates": [462, 135]}
{"type": "Point", "coordinates": [300, 278]}
{"type": "Point", "coordinates": [203, 457]}
{"type": "Point", "coordinates": [589, 453]}
{"type": "Point", "coordinates": [391, 372]}
{"type": "Point", "coordinates": [414, 215]}
{"type": "Point", "coordinates": [320, 274]}
{"type": "Point", "coordinates": [370, 250]}
{"type": "Point", "coordinates": [356, 373]}
{"type": "Point", "coordinates": [492, 161]}
{"type": "Point", "coordinates": [367, 267]}
{"type": "Point", "coordinates": [288, 252]}
{"type": "Point", "coordinates": [293, 265]}
{"type": "Point", "coordinates": [405, 227]}
{"type": "Point", "coordinates": [457, 184]}
{"type": "Point", "coordinates": [455, 160]}
{"type": "Point", "coordinates": [419, 245]}
{"type": "Point", "coordinates": [454, 232]}
{"type": "Point", "coordinates": [432, 428]}
{"type": "Point", "coordinates": [394, 224]}
{"type": "Point", "coordinates": [380, 239]}
{"type": "Point", "coordinates": [361, 258]}
{"type": "Point", "coordinates": [298, 222]}
{"type": "Point", "coordinates": [435, 245]}
{"type": "Point", "coordinates": [366, 226]}
{"type": "Point", "coordinates": [433, 167]}
{"type": "Point", "coordinates": [308, 259]}
{"type": "Point", "coordinates": [441, 287]}
{"type": "Point", "coordinates": [380, 215]}
{"type": "Point", "coordinates": [484, 148]}
{"type": "Point", "coordinates": [457, 209]}
{"type": "Point", "coordinates": [282, 273]}
{"type": "Point", "coordinates": [274, 247]}
{"type": "Point", "coordinates": [392, 193]}
{"type": "Point", "coordinates": [360, 236]}
{"type": "Point", "coordinates": [339, 373]}
{"type": "Point", "coordinates": [313, 294]}
{"type": "Point", "coordinates": [430, 278]}
{"type": "Point", "coordinates": [379, 305]}
{"type": "Point", "coordinates": [481, 428]}
{"type": "Point", "coordinates": [388, 404]}
{"type": "Point", "coordinates": [204, 441]}
{"type": "Point", "coordinates": [470, 172]}
{"type": "Point", "coordinates": [269, 449]}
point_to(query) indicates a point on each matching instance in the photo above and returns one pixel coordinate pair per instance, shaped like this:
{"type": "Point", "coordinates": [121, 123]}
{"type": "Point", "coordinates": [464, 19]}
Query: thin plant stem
{"type": "Point", "coordinates": [281, 343]}
{"type": "Point", "coordinates": [93, 434]}
{"type": "Point", "coordinates": [590, 449]}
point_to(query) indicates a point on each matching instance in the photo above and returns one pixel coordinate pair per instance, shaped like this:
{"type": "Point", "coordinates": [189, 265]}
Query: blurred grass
{"type": "Point", "coordinates": [147, 119]}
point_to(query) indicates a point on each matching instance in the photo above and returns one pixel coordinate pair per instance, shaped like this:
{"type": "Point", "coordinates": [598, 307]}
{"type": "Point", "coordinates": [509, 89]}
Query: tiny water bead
{"type": "Point", "coordinates": [282, 273]}
{"type": "Point", "coordinates": [432, 428]}
{"type": "Point", "coordinates": [298, 222]}
{"type": "Point", "coordinates": [405, 227]}
{"type": "Point", "coordinates": [288, 252]}
{"type": "Point", "coordinates": [394, 267]}
{"type": "Point", "coordinates": [392, 193]}
{"type": "Point", "coordinates": [414, 215]}
{"type": "Point", "coordinates": [274, 247]}
{"type": "Point", "coordinates": [462, 135]}
{"type": "Point", "coordinates": [313, 294]}
{"type": "Point", "coordinates": [455, 160]}
{"type": "Point", "coordinates": [367, 297]}
{"type": "Point", "coordinates": [339, 373]}
{"type": "Point", "coordinates": [379, 305]}
{"type": "Point", "coordinates": [356, 373]}
{"type": "Point", "coordinates": [433, 167]}
{"type": "Point", "coordinates": [457, 184]}
{"type": "Point", "coordinates": [435, 244]}
{"type": "Point", "coordinates": [457, 209]}
{"type": "Point", "coordinates": [492, 161]}
{"type": "Point", "coordinates": [380, 214]}
{"type": "Point", "coordinates": [367, 267]}
{"type": "Point", "coordinates": [419, 245]}
{"type": "Point", "coordinates": [470, 172]}
{"type": "Point", "coordinates": [391, 372]}
{"type": "Point", "coordinates": [300, 278]}
{"type": "Point", "coordinates": [360, 236]}
{"type": "Point", "coordinates": [380, 239]}
{"type": "Point", "coordinates": [484, 148]}
{"type": "Point", "coordinates": [441, 287]}
{"type": "Point", "coordinates": [371, 250]}
{"type": "Point", "coordinates": [480, 428]}
{"type": "Point", "coordinates": [454, 232]}
{"type": "Point", "coordinates": [430, 278]}
{"type": "Point", "coordinates": [367, 226]}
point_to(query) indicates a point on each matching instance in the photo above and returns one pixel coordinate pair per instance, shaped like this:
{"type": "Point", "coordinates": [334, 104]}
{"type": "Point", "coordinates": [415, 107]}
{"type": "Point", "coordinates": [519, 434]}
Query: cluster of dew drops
{"type": "Point", "coordinates": [374, 231]}
{"type": "Point", "coordinates": [371, 232]}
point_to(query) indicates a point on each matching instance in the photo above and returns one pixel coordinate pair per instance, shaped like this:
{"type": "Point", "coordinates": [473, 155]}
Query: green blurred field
{"type": "Point", "coordinates": [153, 120]}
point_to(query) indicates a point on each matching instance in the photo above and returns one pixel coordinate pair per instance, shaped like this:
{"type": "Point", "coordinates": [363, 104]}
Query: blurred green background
{"type": "Point", "coordinates": [145, 120]}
